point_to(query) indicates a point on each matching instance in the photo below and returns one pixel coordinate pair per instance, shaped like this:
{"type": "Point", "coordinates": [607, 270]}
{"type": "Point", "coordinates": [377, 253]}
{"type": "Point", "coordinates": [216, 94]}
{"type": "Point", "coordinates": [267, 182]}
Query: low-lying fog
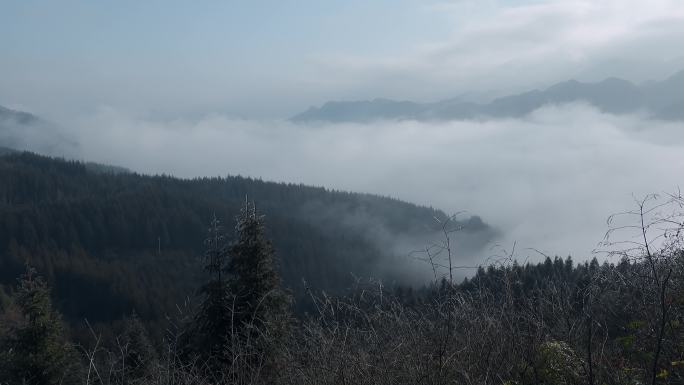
{"type": "Point", "coordinates": [548, 181]}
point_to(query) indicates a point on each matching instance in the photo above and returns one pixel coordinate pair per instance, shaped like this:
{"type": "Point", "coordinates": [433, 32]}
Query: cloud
{"type": "Point", "coordinates": [417, 50]}
{"type": "Point", "coordinates": [504, 46]}
{"type": "Point", "coordinates": [547, 181]}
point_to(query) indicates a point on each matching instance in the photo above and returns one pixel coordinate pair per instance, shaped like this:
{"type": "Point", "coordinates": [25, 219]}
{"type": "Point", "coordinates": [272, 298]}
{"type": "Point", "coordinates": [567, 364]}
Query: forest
{"type": "Point", "coordinates": [112, 241]}
{"type": "Point", "coordinates": [78, 307]}
{"type": "Point", "coordinates": [419, 192]}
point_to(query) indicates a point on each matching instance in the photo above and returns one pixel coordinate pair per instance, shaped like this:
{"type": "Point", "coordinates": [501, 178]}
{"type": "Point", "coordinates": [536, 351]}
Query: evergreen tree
{"type": "Point", "coordinates": [261, 310]}
{"type": "Point", "coordinates": [212, 330]}
{"type": "Point", "coordinates": [105, 255]}
{"type": "Point", "coordinates": [138, 357]}
{"type": "Point", "coordinates": [33, 347]}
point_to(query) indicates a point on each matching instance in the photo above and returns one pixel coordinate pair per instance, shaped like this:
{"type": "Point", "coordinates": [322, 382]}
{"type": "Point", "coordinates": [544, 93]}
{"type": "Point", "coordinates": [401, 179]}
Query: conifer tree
{"type": "Point", "coordinates": [261, 306]}
{"type": "Point", "coordinates": [34, 349]}
{"type": "Point", "coordinates": [212, 324]}
{"type": "Point", "coordinates": [138, 357]}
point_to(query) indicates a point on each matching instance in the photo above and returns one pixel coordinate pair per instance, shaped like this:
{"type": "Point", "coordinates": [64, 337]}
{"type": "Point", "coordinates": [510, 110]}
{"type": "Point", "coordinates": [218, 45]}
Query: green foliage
{"type": "Point", "coordinates": [34, 349]}
{"type": "Point", "coordinates": [243, 317]}
{"type": "Point", "coordinates": [558, 364]}
{"type": "Point", "coordinates": [261, 306]}
{"type": "Point", "coordinates": [627, 341]}
{"type": "Point", "coordinates": [254, 278]}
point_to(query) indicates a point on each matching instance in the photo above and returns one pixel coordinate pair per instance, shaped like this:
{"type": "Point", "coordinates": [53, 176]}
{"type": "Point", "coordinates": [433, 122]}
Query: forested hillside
{"type": "Point", "coordinates": [113, 242]}
{"type": "Point", "coordinates": [120, 251]}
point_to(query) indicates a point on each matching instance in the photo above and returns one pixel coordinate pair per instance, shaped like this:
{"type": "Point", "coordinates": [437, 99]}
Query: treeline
{"type": "Point", "coordinates": [552, 323]}
{"type": "Point", "coordinates": [111, 241]}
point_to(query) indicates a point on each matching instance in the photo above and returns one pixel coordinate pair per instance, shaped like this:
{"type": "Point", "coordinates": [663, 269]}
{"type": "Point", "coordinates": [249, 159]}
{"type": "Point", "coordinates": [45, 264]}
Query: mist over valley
{"type": "Point", "coordinates": [389, 192]}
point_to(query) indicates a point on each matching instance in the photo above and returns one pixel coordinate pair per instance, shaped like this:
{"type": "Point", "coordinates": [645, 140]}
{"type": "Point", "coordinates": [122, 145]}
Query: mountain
{"type": "Point", "coordinates": [666, 98]}
{"type": "Point", "coordinates": [112, 243]}
{"type": "Point", "coordinates": [660, 100]}
{"type": "Point", "coordinates": [363, 110]}
{"type": "Point", "coordinates": [24, 131]}
{"type": "Point", "coordinates": [20, 117]}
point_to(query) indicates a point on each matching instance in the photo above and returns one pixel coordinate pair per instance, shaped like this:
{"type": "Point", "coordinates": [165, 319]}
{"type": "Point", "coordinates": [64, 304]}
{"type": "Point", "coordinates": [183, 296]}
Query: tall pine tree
{"type": "Point", "coordinates": [261, 306]}
{"type": "Point", "coordinates": [242, 321]}
{"type": "Point", "coordinates": [212, 331]}
{"type": "Point", "coordinates": [33, 345]}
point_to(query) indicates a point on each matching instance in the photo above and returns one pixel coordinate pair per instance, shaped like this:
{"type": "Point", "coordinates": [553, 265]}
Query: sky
{"type": "Point", "coordinates": [205, 88]}
{"type": "Point", "coordinates": [272, 59]}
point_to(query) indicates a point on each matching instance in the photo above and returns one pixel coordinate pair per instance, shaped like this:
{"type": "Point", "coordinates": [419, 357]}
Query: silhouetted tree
{"type": "Point", "coordinates": [33, 347]}
{"type": "Point", "coordinates": [138, 357]}
{"type": "Point", "coordinates": [261, 306]}
{"type": "Point", "coordinates": [212, 328]}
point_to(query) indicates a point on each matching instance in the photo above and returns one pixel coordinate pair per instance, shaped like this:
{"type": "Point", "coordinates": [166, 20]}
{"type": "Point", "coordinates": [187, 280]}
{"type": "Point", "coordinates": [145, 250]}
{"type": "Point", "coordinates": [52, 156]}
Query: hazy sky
{"type": "Point", "coordinates": [275, 58]}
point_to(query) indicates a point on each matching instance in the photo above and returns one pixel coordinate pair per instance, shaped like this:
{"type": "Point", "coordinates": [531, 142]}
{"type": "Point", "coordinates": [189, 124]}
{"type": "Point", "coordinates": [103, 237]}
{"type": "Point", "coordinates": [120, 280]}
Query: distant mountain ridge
{"type": "Point", "coordinates": [659, 100]}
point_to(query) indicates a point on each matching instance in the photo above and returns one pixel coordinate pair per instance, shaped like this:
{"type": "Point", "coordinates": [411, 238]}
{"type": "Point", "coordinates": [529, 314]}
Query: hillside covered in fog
{"type": "Point", "coordinates": [115, 241]}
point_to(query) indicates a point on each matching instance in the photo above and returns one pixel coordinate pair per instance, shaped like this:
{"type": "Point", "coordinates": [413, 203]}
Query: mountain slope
{"type": "Point", "coordinates": [662, 100]}
{"type": "Point", "coordinates": [666, 97]}
{"type": "Point", "coordinates": [23, 131]}
{"type": "Point", "coordinates": [20, 117]}
{"type": "Point", "coordinates": [117, 242]}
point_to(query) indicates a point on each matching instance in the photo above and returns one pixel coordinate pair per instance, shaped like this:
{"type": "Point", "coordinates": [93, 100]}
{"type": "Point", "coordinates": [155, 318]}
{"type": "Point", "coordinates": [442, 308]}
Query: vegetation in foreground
{"type": "Point", "coordinates": [550, 323]}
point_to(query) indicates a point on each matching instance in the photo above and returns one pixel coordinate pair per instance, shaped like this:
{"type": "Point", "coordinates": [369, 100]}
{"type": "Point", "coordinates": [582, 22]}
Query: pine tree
{"type": "Point", "coordinates": [34, 349]}
{"type": "Point", "coordinates": [261, 306]}
{"type": "Point", "coordinates": [138, 357]}
{"type": "Point", "coordinates": [211, 331]}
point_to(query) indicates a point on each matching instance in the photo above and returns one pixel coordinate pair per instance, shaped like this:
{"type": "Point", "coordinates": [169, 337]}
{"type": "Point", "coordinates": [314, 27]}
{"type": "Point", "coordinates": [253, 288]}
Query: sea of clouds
{"type": "Point", "coordinates": [548, 181]}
